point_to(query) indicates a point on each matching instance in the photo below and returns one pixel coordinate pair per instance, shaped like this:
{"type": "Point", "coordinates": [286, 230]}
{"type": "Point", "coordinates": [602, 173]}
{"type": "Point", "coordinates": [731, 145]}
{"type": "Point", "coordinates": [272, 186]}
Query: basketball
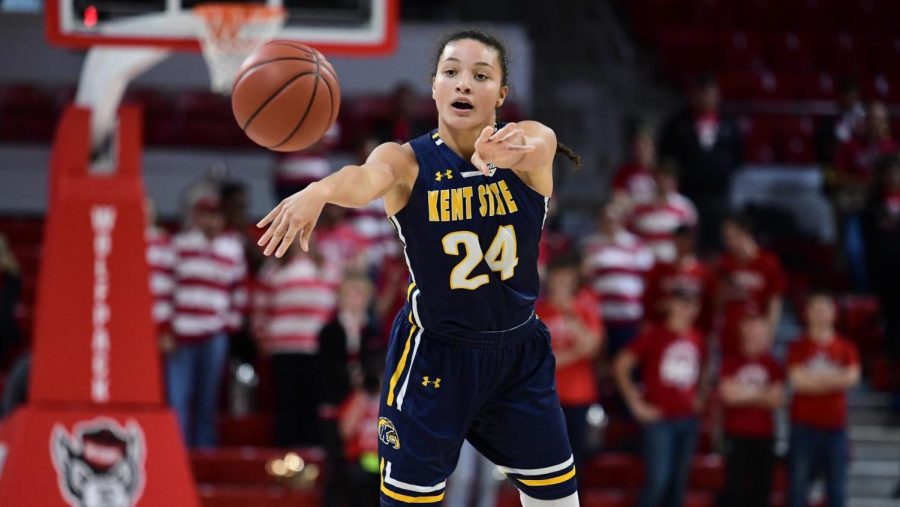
{"type": "Point", "coordinates": [285, 96]}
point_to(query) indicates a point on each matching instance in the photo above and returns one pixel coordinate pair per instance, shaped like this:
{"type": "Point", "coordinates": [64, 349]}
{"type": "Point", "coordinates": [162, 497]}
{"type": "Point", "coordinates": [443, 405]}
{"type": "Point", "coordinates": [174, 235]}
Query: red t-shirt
{"type": "Point", "coordinates": [758, 372]}
{"type": "Point", "coordinates": [575, 382]}
{"type": "Point", "coordinates": [690, 275]}
{"type": "Point", "coordinates": [828, 410]}
{"type": "Point", "coordinates": [746, 287]}
{"type": "Point", "coordinates": [670, 367]}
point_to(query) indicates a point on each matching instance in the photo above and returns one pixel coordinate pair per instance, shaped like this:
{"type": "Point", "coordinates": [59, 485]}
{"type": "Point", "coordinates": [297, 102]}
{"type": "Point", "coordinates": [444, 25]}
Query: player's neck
{"type": "Point", "coordinates": [460, 141]}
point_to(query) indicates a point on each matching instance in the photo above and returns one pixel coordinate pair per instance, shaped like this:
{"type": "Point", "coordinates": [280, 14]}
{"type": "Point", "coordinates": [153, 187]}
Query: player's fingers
{"type": "Point", "coordinates": [271, 216]}
{"type": "Point", "coordinates": [479, 164]}
{"type": "Point", "coordinates": [521, 148]}
{"type": "Point", "coordinates": [485, 135]}
{"type": "Point", "coordinates": [276, 237]}
{"type": "Point", "coordinates": [305, 235]}
{"type": "Point", "coordinates": [509, 127]}
{"type": "Point", "coordinates": [509, 135]}
{"type": "Point", "coordinates": [269, 232]}
{"type": "Point", "coordinates": [287, 241]}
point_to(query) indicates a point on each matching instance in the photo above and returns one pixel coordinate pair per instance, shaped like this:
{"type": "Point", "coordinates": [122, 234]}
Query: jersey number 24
{"type": "Point", "coordinates": [500, 257]}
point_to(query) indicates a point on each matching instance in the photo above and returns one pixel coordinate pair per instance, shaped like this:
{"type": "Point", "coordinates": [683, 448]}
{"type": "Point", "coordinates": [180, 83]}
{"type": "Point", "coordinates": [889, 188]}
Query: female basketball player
{"type": "Point", "coordinates": [468, 358]}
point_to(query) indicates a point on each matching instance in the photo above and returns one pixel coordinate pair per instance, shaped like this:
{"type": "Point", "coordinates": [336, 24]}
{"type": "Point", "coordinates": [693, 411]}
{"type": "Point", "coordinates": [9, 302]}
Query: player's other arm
{"type": "Point", "coordinates": [526, 147]}
{"type": "Point", "coordinates": [389, 172]}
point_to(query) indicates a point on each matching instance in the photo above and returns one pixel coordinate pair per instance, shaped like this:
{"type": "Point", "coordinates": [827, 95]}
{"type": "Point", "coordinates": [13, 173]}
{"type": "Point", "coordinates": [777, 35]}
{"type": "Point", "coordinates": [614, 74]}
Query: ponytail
{"type": "Point", "coordinates": [570, 154]}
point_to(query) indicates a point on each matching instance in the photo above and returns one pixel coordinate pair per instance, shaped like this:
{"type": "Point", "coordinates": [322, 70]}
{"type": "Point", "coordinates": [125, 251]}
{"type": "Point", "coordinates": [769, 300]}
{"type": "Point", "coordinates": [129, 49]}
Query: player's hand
{"type": "Point", "coordinates": [503, 148]}
{"type": "Point", "coordinates": [295, 215]}
{"type": "Point", "coordinates": [645, 412]}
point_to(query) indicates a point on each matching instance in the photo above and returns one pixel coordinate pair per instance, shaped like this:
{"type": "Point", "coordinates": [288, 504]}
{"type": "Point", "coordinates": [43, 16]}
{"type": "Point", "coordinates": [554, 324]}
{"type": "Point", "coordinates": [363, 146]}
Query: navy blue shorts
{"type": "Point", "coordinates": [500, 395]}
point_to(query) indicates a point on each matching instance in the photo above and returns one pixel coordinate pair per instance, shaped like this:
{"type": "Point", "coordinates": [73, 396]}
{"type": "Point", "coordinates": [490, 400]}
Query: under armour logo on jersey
{"type": "Point", "coordinates": [436, 382]}
{"type": "Point", "coordinates": [438, 176]}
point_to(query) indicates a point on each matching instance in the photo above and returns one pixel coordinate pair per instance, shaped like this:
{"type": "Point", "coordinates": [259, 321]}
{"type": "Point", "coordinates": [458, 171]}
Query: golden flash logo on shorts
{"type": "Point", "coordinates": [426, 381]}
{"type": "Point", "coordinates": [387, 433]}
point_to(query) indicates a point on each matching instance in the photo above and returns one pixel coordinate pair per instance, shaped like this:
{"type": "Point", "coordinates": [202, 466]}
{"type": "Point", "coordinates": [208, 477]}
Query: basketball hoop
{"type": "Point", "coordinates": [228, 33]}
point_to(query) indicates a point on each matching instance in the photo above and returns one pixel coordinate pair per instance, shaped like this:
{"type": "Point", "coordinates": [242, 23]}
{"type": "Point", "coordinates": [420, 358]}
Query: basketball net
{"type": "Point", "coordinates": [228, 33]}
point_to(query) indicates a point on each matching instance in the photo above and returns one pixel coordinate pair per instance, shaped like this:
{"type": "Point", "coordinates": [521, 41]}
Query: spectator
{"type": "Point", "coordinates": [293, 302]}
{"type": "Point", "coordinates": [349, 345]}
{"type": "Point", "coordinates": [341, 247]}
{"type": "Point", "coordinates": [615, 263]}
{"type": "Point", "coordinates": [208, 303]}
{"type": "Point", "coordinates": [685, 272]}
{"type": "Point", "coordinates": [161, 260]}
{"type": "Point", "coordinates": [845, 125]}
{"type": "Point", "coordinates": [822, 366]}
{"type": "Point", "coordinates": [554, 242]}
{"type": "Point", "coordinates": [358, 423]}
{"type": "Point", "coordinates": [751, 388]}
{"type": "Point", "coordinates": [854, 175]}
{"type": "Point", "coordinates": [576, 333]}
{"type": "Point", "coordinates": [670, 358]}
{"type": "Point", "coordinates": [10, 286]}
{"type": "Point", "coordinates": [882, 228]}
{"type": "Point", "coordinates": [655, 221]}
{"type": "Point", "coordinates": [750, 280]}
{"type": "Point", "coordinates": [706, 145]}
{"type": "Point", "coordinates": [401, 124]}
{"type": "Point", "coordinates": [633, 182]}
{"type": "Point", "coordinates": [234, 205]}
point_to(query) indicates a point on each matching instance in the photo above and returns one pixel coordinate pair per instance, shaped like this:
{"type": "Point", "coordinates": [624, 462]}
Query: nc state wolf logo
{"type": "Point", "coordinates": [100, 464]}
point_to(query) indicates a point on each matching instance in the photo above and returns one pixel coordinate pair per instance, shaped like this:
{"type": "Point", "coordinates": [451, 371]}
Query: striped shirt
{"type": "Point", "coordinates": [372, 225]}
{"type": "Point", "coordinates": [209, 291]}
{"type": "Point", "coordinates": [654, 223]}
{"type": "Point", "coordinates": [616, 267]}
{"type": "Point", "coordinates": [292, 303]}
{"type": "Point", "coordinates": [161, 260]}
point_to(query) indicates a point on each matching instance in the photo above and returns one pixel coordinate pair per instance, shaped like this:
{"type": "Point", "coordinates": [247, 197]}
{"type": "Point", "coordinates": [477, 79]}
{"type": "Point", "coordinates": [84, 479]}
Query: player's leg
{"type": "Point", "coordinates": [427, 402]}
{"type": "Point", "coordinates": [521, 427]}
{"type": "Point", "coordinates": [569, 501]}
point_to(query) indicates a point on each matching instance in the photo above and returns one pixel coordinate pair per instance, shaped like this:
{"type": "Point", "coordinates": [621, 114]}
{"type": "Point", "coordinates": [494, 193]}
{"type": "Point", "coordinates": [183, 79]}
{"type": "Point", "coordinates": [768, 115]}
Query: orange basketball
{"type": "Point", "coordinates": [285, 96]}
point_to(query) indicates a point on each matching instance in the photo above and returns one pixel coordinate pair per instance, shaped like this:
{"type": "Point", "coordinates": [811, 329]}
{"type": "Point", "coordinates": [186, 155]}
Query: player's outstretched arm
{"type": "Point", "coordinates": [388, 169]}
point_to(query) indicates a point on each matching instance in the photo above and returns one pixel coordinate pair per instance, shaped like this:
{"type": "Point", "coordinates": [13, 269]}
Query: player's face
{"type": "Point", "coordinates": [468, 84]}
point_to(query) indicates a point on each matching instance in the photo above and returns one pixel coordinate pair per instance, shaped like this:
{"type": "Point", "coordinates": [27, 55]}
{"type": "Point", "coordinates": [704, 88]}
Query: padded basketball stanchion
{"type": "Point", "coordinates": [96, 430]}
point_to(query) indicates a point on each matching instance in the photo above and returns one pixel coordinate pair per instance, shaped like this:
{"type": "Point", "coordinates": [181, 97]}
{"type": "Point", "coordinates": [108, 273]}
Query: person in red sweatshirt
{"type": "Point", "coordinates": [750, 280]}
{"type": "Point", "coordinates": [670, 357]}
{"type": "Point", "coordinates": [751, 386]}
{"type": "Point", "coordinates": [822, 366]}
{"type": "Point", "coordinates": [576, 332]}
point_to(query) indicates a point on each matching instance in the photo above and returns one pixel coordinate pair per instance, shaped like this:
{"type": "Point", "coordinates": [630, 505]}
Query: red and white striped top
{"type": "Point", "coordinates": [161, 259]}
{"type": "Point", "coordinates": [654, 223]}
{"type": "Point", "coordinates": [616, 267]}
{"type": "Point", "coordinates": [209, 291]}
{"type": "Point", "coordinates": [371, 223]}
{"type": "Point", "coordinates": [292, 303]}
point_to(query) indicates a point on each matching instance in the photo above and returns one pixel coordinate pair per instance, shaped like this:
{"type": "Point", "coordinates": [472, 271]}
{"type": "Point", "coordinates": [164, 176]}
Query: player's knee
{"type": "Point", "coordinates": [569, 501]}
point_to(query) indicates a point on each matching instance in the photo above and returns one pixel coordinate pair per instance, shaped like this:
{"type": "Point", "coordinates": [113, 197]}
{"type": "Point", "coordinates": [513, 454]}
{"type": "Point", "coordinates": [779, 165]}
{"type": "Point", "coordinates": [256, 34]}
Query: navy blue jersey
{"type": "Point", "coordinates": [471, 243]}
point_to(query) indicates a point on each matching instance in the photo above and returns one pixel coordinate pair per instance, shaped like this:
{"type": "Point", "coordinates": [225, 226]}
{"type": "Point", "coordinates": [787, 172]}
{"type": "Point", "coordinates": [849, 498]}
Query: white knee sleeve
{"type": "Point", "coordinates": [569, 501]}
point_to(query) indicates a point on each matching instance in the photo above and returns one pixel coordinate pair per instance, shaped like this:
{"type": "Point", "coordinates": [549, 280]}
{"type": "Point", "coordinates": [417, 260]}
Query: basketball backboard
{"type": "Point", "coordinates": [336, 27]}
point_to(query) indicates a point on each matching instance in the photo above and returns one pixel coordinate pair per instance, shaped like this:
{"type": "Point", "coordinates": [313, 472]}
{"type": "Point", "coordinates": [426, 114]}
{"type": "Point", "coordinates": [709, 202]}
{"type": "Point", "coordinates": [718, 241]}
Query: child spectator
{"type": "Point", "coordinates": [750, 280]}
{"type": "Point", "coordinates": [293, 302]}
{"type": "Point", "coordinates": [822, 366]}
{"type": "Point", "coordinates": [670, 358]}
{"type": "Point", "coordinates": [751, 387]}
{"type": "Point", "coordinates": [360, 428]}
{"type": "Point", "coordinates": [615, 263]}
{"type": "Point", "coordinates": [576, 333]}
{"type": "Point", "coordinates": [209, 271]}
{"type": "Point", "coordinates": [655, 221]}
{"type": "Point", "coordinates": [685, 272]}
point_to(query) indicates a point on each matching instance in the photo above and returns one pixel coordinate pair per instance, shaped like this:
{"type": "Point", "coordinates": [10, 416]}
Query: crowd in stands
{"type": "Point", "coordinates": [672, 299]}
